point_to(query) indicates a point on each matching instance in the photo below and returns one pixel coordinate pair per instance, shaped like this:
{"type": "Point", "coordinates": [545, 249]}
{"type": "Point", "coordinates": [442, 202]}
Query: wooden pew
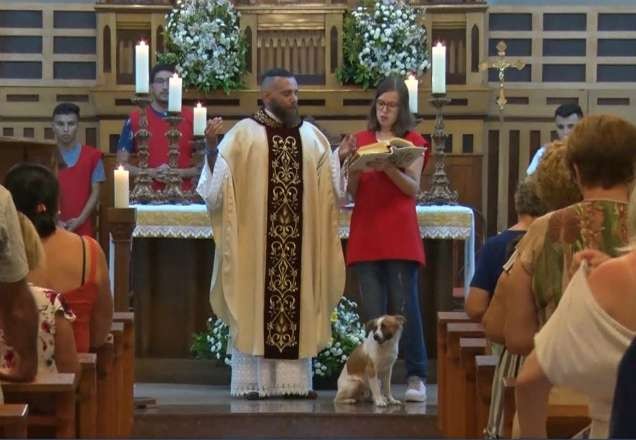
{"type": "Point", "coordinates": [455, 401]}
{"type": "Point", "coordinates": [469, 348]}
{"type": "Point", "coordinates": [13, 420]}
{"type": "Point", "coordinates": [106, 395]}
{"type": "Point", "coordinates": [567, 411]}
{"type": "Point", "coordinates": [485, 371]}
{"type": "Point", "coordinates": [126, 400]}
{"type": "Point", "coordinates": [87, 396]}
{"type": "Point", "coordinates": [443, 319]}
{"type": "Point", "coordinates": [61, 387]}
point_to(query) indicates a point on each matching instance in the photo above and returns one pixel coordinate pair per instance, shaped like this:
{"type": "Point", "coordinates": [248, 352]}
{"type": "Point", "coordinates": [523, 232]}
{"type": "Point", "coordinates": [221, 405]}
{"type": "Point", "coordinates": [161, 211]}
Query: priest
{"type": "Point", "coordinates": [272, 189]}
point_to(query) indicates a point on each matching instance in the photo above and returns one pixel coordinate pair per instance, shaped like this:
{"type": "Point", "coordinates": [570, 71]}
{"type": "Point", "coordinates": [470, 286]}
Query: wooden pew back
{"type": "Point", "coordinates": [567, 411]}
{"type": "Point", "coordinates": [87, 396]}
{"type": "Point", "coordinates": [13, 420]}
{"type": "Point", "coordinates": [56, 392]}
{"type": "Point", "coordinates": [128, 374]}
{"type": "Point", "coordinates": [485, 371]}
{"type": "Point", "coordinates": [443, 319]}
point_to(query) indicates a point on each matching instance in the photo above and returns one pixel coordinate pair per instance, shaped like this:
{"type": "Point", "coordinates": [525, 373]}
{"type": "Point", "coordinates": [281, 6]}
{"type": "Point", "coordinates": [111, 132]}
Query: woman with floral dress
{"type": "Point", "coordinates": [56, 344]}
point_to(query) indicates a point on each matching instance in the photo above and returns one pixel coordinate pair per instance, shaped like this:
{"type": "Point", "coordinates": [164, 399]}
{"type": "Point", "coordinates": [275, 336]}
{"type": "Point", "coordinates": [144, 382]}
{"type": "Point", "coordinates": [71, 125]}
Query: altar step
{"type": "Point", "coordinates": [210, 372]}
{"type": "Point", "coordinates": [195, 411]}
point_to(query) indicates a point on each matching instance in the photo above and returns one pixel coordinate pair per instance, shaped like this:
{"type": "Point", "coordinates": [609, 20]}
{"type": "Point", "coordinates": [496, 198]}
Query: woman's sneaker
{"type": "Point", "coordinates": [415, 390]}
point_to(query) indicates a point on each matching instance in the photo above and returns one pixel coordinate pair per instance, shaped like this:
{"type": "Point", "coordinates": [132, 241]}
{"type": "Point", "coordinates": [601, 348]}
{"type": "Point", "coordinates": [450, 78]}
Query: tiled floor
{"type": "Point", "coordinates": [204, 411]}
{"type": "Point", "coordinates": [180, 394]}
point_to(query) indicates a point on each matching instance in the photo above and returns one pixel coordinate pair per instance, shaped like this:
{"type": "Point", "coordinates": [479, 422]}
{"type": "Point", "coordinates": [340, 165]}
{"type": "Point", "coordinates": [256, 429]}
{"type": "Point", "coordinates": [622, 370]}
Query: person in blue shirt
{"type": "Point", "coordinates": [565, 118]}
{"type": "Point", "coordinates": [496, 250]}
{"type": "Point", "coordinates": [623, 422]}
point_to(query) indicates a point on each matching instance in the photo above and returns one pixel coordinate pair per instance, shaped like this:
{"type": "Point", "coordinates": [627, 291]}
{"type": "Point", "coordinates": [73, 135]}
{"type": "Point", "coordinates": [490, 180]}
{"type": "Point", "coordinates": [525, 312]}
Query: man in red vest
{"type": "Point", "coordinates": [80, 174]}
{"type": "Point", "coordinates": [158, 126]}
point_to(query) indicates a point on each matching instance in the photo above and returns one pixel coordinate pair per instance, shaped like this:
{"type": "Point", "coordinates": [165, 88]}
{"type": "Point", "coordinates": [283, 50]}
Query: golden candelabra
{"type": "Point", "coordinates": [198, 161]}
{"type": "Point", "coordinates": [142, 191]}
{"type": "Point", "coordinates": [172, 192]}
{"type": "Point", "coordinates": [440, 192]}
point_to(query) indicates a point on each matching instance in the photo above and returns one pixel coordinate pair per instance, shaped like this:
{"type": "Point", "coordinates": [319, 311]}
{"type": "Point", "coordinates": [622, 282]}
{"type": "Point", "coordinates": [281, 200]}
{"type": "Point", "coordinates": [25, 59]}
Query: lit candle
{"type": "Point", "coordinates": [174, 94]}
{"type": "Point", "coordinates": [411, 84]}
{"type": "Point", "coordinates": [121, 187]}
{"type": "Point", "coordinates": [141, 68]}
{"type": "Point", "coordinates": [439, 69]}
{"type": "Point", "coordinates": [200, 119]}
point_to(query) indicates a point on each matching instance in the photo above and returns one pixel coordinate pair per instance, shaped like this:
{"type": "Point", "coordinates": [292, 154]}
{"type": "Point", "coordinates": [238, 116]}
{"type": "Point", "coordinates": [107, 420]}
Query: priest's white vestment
{"type": "Point", "coordinates": [252, 174]}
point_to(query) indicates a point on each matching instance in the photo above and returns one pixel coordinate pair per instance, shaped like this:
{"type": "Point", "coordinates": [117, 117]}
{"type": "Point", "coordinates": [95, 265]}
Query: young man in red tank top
{"type": "Point", "coordinates": [81, 172]}
{"type": "Point", "coordinates": [157, 125]}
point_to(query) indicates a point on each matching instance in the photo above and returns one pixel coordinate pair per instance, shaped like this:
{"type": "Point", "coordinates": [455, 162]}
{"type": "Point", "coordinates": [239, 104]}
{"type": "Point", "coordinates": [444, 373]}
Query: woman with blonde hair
{"type": "Point", "coordinates": [56, 344]}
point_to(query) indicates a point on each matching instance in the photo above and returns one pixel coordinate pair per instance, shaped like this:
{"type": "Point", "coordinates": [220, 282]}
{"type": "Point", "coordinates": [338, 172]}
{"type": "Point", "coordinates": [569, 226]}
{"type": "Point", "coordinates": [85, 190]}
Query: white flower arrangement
{"type": "Point", "coordinates": [346, 328]}
{"type": "Point", "coordinates": [347, 332]}
{"type": "Point", "coordinates": [383, 38]}
{"type": "Point", "coordinates": [205, 43]}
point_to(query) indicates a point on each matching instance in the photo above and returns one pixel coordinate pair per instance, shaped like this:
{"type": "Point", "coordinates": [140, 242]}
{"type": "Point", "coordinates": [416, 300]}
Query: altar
{"type": "Point", "coordinates": [171, 266]}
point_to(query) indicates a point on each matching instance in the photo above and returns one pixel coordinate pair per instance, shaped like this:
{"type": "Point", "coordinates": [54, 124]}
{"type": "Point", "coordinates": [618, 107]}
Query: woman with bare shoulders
{"type": "Point", "coordinates": [582, 343]}
{"type": "Point", "coordinates": [75, 266]}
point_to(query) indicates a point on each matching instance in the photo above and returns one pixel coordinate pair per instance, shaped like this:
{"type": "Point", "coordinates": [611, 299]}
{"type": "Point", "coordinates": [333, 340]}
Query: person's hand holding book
{"type": "Point", "coordinates": [347, 147]}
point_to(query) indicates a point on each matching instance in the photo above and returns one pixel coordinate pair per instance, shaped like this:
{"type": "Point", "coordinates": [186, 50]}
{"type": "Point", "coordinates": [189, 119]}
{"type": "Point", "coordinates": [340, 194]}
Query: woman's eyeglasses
{"type": "Point", "coordinates": [386, 105]}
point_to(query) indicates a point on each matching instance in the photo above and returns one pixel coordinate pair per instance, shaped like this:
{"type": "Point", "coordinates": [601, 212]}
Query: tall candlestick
{"type": "Point", "coordinates": [174, 94]}
{"type": "Point", "coordinates": [411, 85]}
{"type": "Point", "coordinates": [121, 187]}
{"type": "Point", "coordinates": [141, 68]}
{"type": "Point", "coordinates": [439, 69]}
{"type": "Point", "coordinates": [200, 119]}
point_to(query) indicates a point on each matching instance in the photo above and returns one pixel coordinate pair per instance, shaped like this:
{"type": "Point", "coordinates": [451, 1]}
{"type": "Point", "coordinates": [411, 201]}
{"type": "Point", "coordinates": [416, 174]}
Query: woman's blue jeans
{"type": "Point", "coordinates": [391, 286]}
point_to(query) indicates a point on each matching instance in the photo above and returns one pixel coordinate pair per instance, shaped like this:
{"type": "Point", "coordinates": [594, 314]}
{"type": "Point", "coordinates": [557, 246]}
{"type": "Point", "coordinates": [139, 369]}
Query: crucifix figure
{"type": "Point", "coordinates": [501, 64]}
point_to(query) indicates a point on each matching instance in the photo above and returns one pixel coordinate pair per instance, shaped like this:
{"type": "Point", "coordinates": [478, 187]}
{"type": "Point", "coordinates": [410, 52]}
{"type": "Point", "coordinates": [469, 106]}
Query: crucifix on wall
{"type": "Point", "coordinates": [501, 64]}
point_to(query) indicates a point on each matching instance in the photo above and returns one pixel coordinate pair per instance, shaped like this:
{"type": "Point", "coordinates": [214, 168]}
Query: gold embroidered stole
{"type": "Point", "coordinates": [284, 240]}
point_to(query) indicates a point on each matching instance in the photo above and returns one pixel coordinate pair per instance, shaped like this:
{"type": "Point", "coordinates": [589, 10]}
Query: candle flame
{"type": "Point", "coordinates": [198, 105]}
{"type": "Point", "coordinates": [411, 76]}
{"type": "Point", "coordinates": [142, 43]}
{"type": "Point", "coordinates": [120, 168]}
{"type": "Point", "coordinates": [175, 75]}
{"type": "Point", "coordinates": [439, 44]}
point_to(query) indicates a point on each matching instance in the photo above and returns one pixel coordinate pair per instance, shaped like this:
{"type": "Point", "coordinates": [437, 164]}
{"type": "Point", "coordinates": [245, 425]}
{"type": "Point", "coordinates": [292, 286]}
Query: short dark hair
{"type": "Point", "coordinates": [66, 108]}
{"type": "Point", "coordinates": [603, 147]}
{"type": "Point", "coordinates": [277, 71]}
{"type": "Point", "coordinates": [31, 184]}
{"type": "Point", "coordinates": [161, 67]}
{"type": "Point", "coordinates": [405, 121]}
{"type": "Point", "coordinates": [565, 110]}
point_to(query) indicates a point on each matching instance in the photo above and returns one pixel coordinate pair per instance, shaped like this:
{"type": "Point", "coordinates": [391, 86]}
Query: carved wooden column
{"type": "Point", "coordinates": [122, 222]}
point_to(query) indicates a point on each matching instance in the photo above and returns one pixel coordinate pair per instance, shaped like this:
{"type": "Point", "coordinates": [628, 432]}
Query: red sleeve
{"type": "Point", "coordinates": [365, 137]}
{"type": "Point", "coordinates": [418, 140]}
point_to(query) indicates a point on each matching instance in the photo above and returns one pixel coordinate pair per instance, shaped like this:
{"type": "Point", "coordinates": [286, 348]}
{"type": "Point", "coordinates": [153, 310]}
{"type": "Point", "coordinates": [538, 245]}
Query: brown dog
{"type": "Point", "coordinates": [368, 369]}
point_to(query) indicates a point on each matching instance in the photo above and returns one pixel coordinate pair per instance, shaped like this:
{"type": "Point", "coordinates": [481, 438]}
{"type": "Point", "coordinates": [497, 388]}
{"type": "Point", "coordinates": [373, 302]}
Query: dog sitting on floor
{"type": "Point", "coordinates": [367, 372]}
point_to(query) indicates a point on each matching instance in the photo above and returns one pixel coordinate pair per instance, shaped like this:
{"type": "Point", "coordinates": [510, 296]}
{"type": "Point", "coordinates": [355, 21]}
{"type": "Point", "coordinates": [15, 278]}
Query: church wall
{"type": "Point", "coordinates": [593, 44]}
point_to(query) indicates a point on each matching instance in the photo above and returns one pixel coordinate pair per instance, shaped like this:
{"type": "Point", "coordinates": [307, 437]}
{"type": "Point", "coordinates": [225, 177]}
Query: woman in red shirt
{"type": "Point", "coordinates": [385, 248]}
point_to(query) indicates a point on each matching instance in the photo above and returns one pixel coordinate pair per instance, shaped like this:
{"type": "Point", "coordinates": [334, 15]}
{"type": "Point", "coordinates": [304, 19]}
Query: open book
{"type": "Point", "coordinates": [400, 152]}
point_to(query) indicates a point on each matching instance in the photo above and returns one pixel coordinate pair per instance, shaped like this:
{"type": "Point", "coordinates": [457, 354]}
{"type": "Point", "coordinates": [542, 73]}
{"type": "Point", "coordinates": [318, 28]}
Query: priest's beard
{"type": "Point", "coordinates": [289, 117]}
